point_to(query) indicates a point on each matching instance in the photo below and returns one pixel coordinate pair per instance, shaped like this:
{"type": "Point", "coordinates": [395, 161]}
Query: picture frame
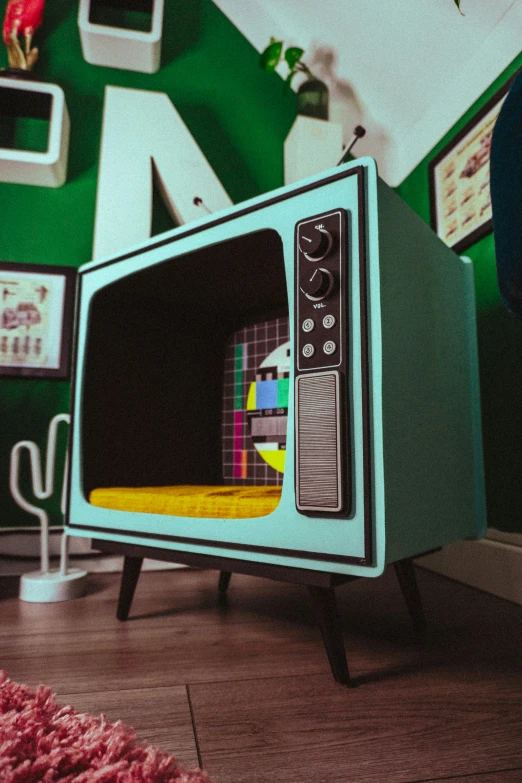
{"type": "Point", "coordinates": [36, 317]}
{"type": "Point", "coordinates": [460, 202]}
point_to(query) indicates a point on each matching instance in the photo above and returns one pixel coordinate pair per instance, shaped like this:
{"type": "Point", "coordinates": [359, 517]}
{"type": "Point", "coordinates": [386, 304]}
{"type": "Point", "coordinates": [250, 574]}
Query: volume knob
{"type": "Point", "coordinates": [315, 243]}
{"type": "Point", "coordinates": [318, 285]}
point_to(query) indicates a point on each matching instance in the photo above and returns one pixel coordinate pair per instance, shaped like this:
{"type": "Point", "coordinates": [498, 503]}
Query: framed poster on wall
{"type": "Point", "coordinates": [459, 180]}
{"type": "Point", "coordinates": [36, 310]}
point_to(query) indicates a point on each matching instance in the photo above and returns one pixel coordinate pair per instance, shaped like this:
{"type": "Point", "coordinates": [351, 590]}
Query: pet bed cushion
{"type": "Point", "coordinates": [232, 502]}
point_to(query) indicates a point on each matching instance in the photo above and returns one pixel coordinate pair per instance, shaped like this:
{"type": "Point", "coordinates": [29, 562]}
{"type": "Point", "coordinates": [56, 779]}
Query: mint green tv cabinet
{"type": "Point", "coordinates": [381, 420]}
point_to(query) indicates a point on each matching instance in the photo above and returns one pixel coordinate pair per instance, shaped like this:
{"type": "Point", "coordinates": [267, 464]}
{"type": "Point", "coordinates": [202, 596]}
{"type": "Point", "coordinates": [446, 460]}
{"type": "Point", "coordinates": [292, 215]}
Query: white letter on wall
{"type": "Point", "coordinates": [140, 126]}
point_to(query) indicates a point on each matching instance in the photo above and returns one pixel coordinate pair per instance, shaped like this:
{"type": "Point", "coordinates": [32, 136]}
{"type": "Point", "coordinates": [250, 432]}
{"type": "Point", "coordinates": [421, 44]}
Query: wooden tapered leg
{"type": "Point", "coordinates": [224, 581]}
{"type": "Point", "coordinates": [408, 581]}
{"type": "Point", "coordinates": [129, 580]}
{"type": "Point", "coordinates": [325, 608]}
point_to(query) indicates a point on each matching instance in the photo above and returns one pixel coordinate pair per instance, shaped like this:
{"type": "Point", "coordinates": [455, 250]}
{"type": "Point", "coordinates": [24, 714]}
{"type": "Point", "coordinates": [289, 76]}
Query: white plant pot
{"type": "Point", "coordinates": [118, 47]}
{"type": "Point", "coordinates": [311, 147]}
{"type": "Point", "coordinates": [44, 101]}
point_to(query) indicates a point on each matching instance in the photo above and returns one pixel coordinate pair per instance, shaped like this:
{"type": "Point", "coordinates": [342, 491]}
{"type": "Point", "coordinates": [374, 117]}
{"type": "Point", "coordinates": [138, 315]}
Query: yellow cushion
{"type": "Point", "coordinates": [191, 501]}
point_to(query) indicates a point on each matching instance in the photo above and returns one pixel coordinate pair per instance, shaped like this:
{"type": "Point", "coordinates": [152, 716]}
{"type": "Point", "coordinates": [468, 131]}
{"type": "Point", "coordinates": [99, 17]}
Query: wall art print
{"type": "Point", "coordinates": [36, 308]}
{"type": "Point", "coordinates": [459, 180]}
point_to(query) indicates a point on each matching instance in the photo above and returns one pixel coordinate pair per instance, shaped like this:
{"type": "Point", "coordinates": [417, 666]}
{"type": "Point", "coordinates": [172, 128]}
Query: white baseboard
{"type": "Point", "coordinates": [20, 553]}
{"type": "Point", "coordinates": [25, 542]}
{"type": "Point", "coordinates": [506, 538]}
{"type": "Point", "coordinates": [491, 565]}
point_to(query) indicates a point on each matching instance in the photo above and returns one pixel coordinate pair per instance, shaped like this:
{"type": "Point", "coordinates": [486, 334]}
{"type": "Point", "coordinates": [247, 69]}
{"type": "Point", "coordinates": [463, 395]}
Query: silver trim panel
{"type": "Point", "coordinates": [318, 480]}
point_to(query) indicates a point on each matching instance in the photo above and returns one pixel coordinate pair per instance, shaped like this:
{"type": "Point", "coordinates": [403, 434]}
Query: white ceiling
{"type": "Point", "coordinates": [404, 69]}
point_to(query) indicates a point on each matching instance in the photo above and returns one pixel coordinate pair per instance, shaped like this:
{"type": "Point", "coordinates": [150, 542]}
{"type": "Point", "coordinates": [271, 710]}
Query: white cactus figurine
{"type": "Point", "coordinates": [45, 585]}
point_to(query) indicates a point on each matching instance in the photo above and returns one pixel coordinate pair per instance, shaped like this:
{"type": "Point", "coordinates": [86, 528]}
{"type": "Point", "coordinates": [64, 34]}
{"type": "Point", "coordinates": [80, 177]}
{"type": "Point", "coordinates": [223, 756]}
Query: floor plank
{"type": "Point", "coordinates": [118, 657]}
{"type": "Point", "coordinates": [160, 716]}
{"type": "Point", "coordinates": [158, 596]}
{"type": "Point", "coordinates": [179, 611]}
{"type": "Point", "coordinates": [182, 613]}
{"type": "Point", "coordinates": [432, 724]}
{"type": "Point", "coordinates": [502, 776]}
{"type": "Point", "coordinates": [264, 703]}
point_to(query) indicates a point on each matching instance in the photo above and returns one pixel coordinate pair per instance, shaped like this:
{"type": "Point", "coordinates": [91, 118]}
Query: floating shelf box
{"type": "Point", "coordinates": [121, 47]}
{"type": "Point", "coordinates": [311, 146]}
{"type": "Point", "coordinates": [35, 100]}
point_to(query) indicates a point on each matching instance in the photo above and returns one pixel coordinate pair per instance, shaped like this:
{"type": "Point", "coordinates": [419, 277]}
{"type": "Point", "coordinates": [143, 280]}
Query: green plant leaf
{"type": "Point", "coordinates": [293, 54]}
{"type": "Point", "coordinates": [457, 3]}
{"type": "Point", "coordinates": [269, 59]}
{"type": "Point", "coordinates": [288, 80]}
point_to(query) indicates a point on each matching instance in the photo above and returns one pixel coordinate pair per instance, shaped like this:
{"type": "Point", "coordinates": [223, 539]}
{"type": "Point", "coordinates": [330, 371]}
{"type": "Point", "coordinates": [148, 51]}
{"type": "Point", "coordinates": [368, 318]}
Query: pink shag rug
{"type": "Point", "coordinates": [45, 742]}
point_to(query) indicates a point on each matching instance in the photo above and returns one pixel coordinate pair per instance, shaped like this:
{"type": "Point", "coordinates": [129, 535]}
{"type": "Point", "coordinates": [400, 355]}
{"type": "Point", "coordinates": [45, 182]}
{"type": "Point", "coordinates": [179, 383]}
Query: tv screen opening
{"type": "Point", "coordinates": [187, 383]}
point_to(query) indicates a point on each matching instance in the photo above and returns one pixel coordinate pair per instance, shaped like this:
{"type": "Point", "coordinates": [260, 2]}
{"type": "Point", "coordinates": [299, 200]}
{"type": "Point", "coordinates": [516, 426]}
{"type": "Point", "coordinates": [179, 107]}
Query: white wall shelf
{"type": "Point", "coordinates": [36, 100]}
{"type": "Point", "coordinates": [311, 147]}
{"type": "Point", "coordinates": [121, 47]}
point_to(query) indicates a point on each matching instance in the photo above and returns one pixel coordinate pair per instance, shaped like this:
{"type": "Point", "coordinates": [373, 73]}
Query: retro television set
{"type": "Point", "coordinates": [288, 388]}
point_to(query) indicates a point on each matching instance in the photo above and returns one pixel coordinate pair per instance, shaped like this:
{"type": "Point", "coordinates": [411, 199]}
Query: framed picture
{"type": "Point", "coordinates": [459, 180]}
{"type": "Point", "coordinates": [36, 313]}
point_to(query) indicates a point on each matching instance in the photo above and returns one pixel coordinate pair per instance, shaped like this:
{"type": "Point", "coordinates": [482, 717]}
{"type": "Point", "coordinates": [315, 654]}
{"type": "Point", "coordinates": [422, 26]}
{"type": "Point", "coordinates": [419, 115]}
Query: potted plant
{"type": "Point", "coordinates": [21, 19]}
{"type": "Point", "coordinates": [312, 95]}
{"type": "Point", "coordinates": [313, 143]}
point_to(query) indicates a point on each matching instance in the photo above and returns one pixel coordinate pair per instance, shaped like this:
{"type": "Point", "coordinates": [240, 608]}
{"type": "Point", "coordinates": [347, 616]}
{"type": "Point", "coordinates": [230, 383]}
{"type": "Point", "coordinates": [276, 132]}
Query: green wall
{"type": "Point", "coordinates": [500, 350]}
{"type": "Point", "coordinates": [239, 116]}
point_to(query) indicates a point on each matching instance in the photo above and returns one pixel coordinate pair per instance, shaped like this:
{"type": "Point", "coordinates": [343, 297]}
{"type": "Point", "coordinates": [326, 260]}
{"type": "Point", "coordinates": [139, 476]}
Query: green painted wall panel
{"type": "Point", "coordinates": [239, 116]}
{"type": "Point", "coordinates": [500, 349]}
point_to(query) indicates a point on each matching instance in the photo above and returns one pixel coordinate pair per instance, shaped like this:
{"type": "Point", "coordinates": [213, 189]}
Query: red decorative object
{"type": "Point", "coordinates": [22, 17]}
{"type": "Point", "coordinates": [41, 740]}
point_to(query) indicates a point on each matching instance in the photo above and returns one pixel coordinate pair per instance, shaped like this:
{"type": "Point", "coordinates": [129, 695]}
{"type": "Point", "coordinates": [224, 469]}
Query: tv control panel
{"type": "Point", "coordinates": [322, 460]}
{"type": "Point", "coordinates": [320, 305]}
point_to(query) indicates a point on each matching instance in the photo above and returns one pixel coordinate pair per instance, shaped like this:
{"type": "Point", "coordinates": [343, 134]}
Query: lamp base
{"type": "Point", "coordinates": [53, 586]}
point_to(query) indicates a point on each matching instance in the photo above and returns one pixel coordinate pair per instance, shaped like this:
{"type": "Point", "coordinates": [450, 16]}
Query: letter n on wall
{"type": "Point", "coordinates": [139, 127]}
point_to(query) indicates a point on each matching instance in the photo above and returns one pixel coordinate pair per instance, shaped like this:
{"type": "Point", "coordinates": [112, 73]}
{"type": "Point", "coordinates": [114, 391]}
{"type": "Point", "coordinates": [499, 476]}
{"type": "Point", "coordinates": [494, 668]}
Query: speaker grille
{"type": "Point", "coordinates": [318, 469]}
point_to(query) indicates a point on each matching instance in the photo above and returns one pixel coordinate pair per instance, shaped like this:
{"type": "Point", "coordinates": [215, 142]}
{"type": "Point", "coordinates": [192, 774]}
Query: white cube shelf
{"type": "Point", "coordinates": [21, 98]}
{"type": "Point", "coordinates": [311, 147]}
{"type": "Point", "coordinates": [118, 47]}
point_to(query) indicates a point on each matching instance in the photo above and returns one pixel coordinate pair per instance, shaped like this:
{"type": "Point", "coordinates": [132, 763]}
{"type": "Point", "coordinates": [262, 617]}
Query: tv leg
{"type": "Point", "coordinates": [408, 581]}
{"type": "Point", "coordinates": [325, 609]}
{"type": "Point", "coordinates": [224, 581]}
{"type": "Point", "coordinates": [129, 580]}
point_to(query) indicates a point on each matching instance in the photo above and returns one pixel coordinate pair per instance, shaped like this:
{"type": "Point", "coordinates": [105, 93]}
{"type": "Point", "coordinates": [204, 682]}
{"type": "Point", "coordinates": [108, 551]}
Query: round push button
{"type": "Point", "coordinates": [308, 350]}
{"type": "Point", "coordinates": [308, 325]}
{"type": "Point", "coordinates": [329, 321]}
{"type": "Point", "coordinates": [329, 347]}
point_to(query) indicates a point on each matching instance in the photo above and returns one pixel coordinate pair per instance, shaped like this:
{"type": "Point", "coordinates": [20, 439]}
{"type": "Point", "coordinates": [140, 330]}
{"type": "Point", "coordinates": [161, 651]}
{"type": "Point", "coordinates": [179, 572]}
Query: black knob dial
{"type": "Point", "coordinates": [317, 284]}
{"type": "Point", "coordinates": [315, 243]}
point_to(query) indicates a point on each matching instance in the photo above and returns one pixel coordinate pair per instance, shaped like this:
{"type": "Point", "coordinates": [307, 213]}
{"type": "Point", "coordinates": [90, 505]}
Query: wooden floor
{"type": "Point", "coordinates": [244, 690]}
